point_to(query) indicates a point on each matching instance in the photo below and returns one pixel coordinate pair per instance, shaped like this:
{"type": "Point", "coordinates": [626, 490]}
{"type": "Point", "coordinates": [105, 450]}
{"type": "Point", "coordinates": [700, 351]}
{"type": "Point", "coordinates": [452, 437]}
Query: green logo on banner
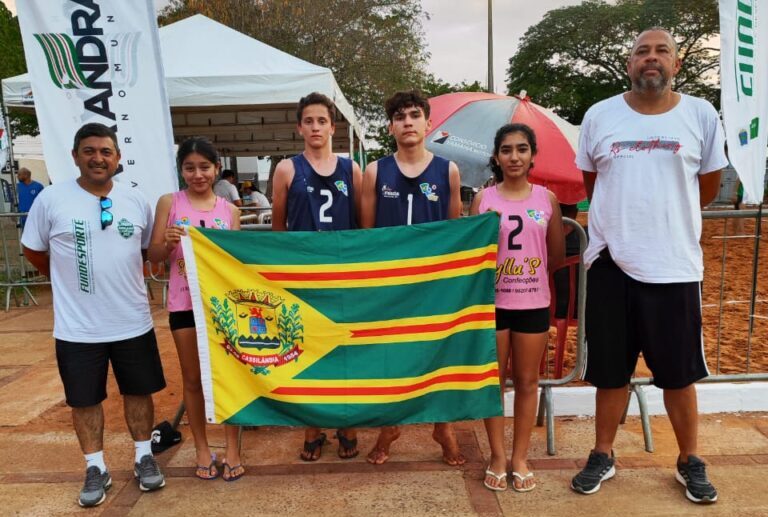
{"type": "Point", "coordinates": [63, 62]}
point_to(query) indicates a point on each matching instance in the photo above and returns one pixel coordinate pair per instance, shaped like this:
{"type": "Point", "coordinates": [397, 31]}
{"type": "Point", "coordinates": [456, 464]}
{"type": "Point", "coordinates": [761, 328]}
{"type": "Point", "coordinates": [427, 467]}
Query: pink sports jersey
{"type": "Point", "coordinates": [522, 280]}
{"type": "Point", "coordinates": [182, 214]}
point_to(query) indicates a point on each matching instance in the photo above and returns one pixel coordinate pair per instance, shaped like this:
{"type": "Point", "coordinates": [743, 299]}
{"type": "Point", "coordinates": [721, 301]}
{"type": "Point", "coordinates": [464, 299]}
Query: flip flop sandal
{"type": "Point", "coordinates": [207, 476]}
{"type": "Point", "coordinates": [346, 444]}
{"type": "Point", "coordinates": [522, 480]}
{"type": "Point", "coordinates": [227, 474]}
{"type": "Point", "coordinates": [498, 477]}
{"type": "Point", "coordinates": [311, 447]}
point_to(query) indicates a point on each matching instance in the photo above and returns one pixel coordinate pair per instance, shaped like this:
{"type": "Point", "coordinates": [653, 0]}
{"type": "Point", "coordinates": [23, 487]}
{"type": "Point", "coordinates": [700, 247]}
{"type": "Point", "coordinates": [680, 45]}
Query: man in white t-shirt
{"type": "Point", "coordinates": [226, 187]}
{"type": "Point", "coordinates": [87, 235]}
{"type": "Point", "coordinates": [651, 159]}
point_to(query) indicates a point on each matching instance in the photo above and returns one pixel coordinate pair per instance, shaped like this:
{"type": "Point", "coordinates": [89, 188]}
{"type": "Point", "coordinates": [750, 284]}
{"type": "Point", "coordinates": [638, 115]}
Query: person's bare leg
{"type": "Point", "coordinates": [609, 408]}
{"type": "Point", "coordinates": [494, 426]}
{"type": "Point", "coordinates": [89, 427]}
{"type": "Point", "coordinates": [350, 434]}
{"type": "Point", "coordinates": [139, 415]}
{"type": "Point", "coordinates": [682, 408]}
{"type": "Point", "coordinates": [526, 351]}
{"type": "Point", "coordinates": [444, 435]}
{"type": "Point", "coordinates": [232, 453]}
{"type": "Point", "coordinates": [310, 435]}
{"type": "Point", "coordinates": [186, 347]}
{"type": "Point", "coordinates": [380, 452]}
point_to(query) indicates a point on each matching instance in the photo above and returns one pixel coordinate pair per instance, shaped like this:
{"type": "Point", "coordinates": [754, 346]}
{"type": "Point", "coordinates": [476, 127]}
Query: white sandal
{"type": "Point", "coordinates": [522, 480]}
{"type": "Point", "coordinates": [498, 477]}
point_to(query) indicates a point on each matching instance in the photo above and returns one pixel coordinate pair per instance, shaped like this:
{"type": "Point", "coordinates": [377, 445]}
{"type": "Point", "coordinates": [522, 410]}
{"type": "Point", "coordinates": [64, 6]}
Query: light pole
{"type": "Point", "coordinates": [489, 86]}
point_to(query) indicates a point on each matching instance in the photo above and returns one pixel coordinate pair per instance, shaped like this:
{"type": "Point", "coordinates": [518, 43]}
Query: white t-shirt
{"type": "Point", "coordinates": [225, 189]}
{"type": "Point", "coordinates": [260, 199]}
{"type": "Point", "coordinates": [97, 275]}
{"type": "Point", "coordinates": [645, 206]}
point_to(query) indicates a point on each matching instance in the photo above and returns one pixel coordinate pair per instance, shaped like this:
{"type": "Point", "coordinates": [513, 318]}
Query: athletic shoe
{"type": "Point", "coordinates": [95, 487]}
{"type": "Point", "coordinates": [148, 473]}
{"type": "Point", "coordinates": [693, 476]}
{"type": "Point", "coordinates": [598, 469]}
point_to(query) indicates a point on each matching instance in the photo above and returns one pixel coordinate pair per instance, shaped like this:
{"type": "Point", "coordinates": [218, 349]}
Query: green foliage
{"type": "Point", "coordinates": [11, 64]}
{"type": "Point", "coordinates": [290, 330]}
{"type": "Point", "coordinates": [224, 320]}
{"type": "Point", "coordinates": [577, 55]}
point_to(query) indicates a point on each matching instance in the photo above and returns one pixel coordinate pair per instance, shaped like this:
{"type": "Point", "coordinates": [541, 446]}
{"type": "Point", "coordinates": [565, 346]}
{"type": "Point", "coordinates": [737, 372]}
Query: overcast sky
{"type": "Point", "coordinates": [456, 34]}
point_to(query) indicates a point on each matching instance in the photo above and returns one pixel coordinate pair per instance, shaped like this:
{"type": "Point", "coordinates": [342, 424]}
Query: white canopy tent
{"type": "Point", "coordinates": [237, 91]}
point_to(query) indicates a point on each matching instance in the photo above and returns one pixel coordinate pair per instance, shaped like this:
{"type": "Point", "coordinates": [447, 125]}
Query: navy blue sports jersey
{"type": "Point", "coordinates": [317, 202]}
{"type": "Point", "coordinates": [402, 201]}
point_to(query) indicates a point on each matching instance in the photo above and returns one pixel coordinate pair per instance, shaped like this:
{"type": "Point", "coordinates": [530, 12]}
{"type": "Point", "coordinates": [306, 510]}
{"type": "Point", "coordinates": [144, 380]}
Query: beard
{"type": "Point", "coordinates": [655, 84]}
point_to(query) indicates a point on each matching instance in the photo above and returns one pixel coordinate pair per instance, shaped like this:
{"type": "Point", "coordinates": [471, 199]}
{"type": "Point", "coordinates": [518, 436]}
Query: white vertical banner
{"type": "Point", "coordinates": [744, 82]}
{"type": "Point", "coordinates": [99, 61]}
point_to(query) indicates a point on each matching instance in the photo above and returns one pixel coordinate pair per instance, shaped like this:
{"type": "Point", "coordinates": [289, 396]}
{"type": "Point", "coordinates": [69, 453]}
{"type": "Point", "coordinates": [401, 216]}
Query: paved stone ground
{"type": "Point", "coordinates": [43, 469]}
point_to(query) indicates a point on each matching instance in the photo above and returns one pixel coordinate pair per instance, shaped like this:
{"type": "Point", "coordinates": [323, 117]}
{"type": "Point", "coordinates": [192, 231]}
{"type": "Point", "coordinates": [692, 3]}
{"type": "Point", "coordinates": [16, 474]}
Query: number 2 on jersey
{"type": "Point", "coordinates": [515, 232]}
{"type": "Point", "coordinates": [324, 216]}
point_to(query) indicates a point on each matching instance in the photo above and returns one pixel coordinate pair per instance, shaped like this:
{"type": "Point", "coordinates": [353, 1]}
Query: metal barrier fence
{"type": "Point", "coordinates": [636, 386]}
{"type": "Point", "coordinates": [16, 271]}
{"type": "Point", "coordinates": [546, 405]}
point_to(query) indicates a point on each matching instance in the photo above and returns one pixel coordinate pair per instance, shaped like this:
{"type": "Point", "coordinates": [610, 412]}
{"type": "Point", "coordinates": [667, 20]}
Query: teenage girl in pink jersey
{"type": "Point", "coordinates": [196, 205]}
{"type": "Point", "coordinates": [531, 243]}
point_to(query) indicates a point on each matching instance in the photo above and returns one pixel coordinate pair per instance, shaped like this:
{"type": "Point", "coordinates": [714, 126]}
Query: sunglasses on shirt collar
{"type": "Point", "coordinates": [106, 215]}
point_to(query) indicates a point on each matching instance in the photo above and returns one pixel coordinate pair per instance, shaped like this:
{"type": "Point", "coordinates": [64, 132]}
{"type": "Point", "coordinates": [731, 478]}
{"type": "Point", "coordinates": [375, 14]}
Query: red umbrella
{"type": "Point", "coordinates": [464, 124]}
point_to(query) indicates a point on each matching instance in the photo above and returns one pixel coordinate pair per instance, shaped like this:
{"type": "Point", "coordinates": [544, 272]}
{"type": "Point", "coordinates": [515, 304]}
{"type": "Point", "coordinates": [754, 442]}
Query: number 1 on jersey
{"type": "Point", "coordinates": [324, 217]}
{"type": "Point", "coordinates": [410, 209]}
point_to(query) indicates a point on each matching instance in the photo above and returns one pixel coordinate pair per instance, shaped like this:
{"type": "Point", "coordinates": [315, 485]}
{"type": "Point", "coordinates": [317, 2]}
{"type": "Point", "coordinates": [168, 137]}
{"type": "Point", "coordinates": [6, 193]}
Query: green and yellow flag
{"type": "Point", "coordinates": [357, 328]}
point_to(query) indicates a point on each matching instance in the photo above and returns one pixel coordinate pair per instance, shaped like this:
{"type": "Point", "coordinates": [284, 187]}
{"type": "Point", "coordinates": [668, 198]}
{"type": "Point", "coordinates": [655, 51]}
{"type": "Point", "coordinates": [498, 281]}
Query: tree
{"type": "Point", "coordinates": [373, 47]}
{"type": "Point", "coordinates": [577, 55]}
{"type": "Point", "coordinates": [11, 64]}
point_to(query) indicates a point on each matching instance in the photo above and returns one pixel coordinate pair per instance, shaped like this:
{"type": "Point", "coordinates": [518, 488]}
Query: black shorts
{"type": "Point", "coordinates": [181, 320]}
{"type": "Point", "coordinates": [83, 368]}
{"type": "Point", "coordinates": [525, 321]}
{"type": "Point", "coordinates": [625, 317]}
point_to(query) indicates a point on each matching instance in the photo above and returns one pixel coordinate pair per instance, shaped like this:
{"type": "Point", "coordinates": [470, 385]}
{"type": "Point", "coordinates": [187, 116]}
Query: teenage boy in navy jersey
{"type": "Point", "coordinates": [409, 187]}
{"type": "Point", "coordinates": [316, 190]}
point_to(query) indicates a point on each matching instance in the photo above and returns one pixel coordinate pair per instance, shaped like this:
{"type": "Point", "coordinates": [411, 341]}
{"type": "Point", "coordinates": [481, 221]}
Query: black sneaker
{"type": "Point", "coordinates": [148, 473]}
{"type": "Point", "coordinates": [95, 487]}
{"type": "Point", "coordinates": [693, 476]}
{"type": "Point", "coordinates": [598, 469]}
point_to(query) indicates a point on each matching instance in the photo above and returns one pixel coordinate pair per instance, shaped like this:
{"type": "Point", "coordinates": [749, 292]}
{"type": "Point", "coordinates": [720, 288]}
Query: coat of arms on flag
{"type": "Point", "coordinates": [347, 329]}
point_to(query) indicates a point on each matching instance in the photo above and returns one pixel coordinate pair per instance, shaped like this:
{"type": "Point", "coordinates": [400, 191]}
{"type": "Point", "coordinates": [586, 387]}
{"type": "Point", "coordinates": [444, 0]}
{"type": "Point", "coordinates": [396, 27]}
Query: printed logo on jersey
{"type": "Point", "coordinates": [536, 216]}
{"type": "Point", "coordinates": [125, 227]}
{"type": "Point", "coordinates": [220, 224]}
{"type": "Point", "coordinates": [342, 187]}
{"type": "Point", "coordinates": [429, 191]}
{"type": "Point", "coordinates": [184, 221]}
{"type": "Point", "coordinates": [81, 232]}
{"type": "Point", "coordinates": [388, 192]}
{"type": "Point", "coordinates": [631, 148]}
{"type": "Point", "coordinates": [310, 188]}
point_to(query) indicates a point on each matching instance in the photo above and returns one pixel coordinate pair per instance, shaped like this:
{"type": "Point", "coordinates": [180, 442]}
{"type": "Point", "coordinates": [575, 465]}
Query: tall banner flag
{"type": "Point", "coordinates": [744, 82]}
{"type": "Point", "coordinates": [357, 328]}
{"type": "Point", "coordinates": [99, 61]}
